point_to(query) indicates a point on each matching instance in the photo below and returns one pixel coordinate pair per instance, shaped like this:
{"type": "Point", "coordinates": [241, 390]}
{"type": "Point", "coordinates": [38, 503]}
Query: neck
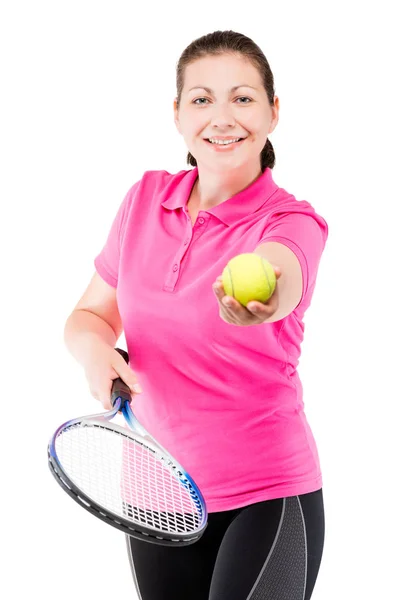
{"type": "Point", "coordinates": [211, 189]}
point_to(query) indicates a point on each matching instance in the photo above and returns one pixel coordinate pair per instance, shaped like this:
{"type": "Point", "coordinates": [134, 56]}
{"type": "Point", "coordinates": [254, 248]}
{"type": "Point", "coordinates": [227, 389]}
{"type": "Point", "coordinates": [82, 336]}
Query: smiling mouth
{"type": "Point", "coordinates": [226, 143]}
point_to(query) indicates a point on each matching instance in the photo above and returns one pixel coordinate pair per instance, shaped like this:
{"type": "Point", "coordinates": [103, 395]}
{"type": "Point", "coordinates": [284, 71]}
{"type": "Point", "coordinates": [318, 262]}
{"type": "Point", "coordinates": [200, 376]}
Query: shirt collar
{"type": "Point", "coordinates": [235, 208]}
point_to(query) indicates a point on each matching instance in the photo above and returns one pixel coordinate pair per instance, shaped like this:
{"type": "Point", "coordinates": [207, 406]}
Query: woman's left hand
{"type": "Point", "coordinates": [231, 311]}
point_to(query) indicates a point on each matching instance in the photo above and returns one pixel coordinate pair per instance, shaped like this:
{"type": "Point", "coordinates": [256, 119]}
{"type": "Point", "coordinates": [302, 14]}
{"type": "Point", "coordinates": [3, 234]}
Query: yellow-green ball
{"type": "Point", "coordinates": [249, 277]}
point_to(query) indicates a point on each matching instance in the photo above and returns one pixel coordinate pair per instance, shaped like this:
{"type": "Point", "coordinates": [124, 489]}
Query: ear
{"type": "Point", "coordinates": [275, 114]}
{"type": "Point", "coordinates": [176, 116]}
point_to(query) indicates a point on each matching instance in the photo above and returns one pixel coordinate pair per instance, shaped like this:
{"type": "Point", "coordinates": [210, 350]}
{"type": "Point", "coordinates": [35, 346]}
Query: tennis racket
{"type": "Point", "coordinates": [124, 477]}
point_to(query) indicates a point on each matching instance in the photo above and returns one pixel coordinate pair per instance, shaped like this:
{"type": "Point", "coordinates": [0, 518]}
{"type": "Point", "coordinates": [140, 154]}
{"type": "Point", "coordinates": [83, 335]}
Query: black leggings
{"type": "Point", "coordinates": [270, 550]}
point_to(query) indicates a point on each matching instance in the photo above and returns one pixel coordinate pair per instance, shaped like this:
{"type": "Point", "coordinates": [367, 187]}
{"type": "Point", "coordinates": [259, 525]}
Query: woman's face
{"type": "Point", "coordinates": [223, 98]}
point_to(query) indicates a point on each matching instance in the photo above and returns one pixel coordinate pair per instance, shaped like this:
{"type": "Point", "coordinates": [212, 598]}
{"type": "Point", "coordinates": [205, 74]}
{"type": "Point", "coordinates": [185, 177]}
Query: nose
{"type": "Point", "coordinates": [222, 115]}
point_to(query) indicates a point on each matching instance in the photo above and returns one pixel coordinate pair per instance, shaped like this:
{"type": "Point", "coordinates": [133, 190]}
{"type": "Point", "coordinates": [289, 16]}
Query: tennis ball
{"type": "Point", "coordinates": [249, 277]}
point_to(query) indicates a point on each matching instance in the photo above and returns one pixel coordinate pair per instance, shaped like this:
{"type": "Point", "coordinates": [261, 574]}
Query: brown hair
{"type": "Point", "coordinates": [222, 42]}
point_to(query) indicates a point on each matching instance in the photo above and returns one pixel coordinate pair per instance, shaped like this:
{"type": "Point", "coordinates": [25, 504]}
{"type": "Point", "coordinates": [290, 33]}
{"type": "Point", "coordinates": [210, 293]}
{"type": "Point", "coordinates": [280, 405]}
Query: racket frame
{"type": "Point", "coordinates": [138, 433]}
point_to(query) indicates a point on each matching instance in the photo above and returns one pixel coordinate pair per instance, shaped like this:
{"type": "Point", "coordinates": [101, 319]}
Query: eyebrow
{"type": "Point", "coordinates": [209, 90]}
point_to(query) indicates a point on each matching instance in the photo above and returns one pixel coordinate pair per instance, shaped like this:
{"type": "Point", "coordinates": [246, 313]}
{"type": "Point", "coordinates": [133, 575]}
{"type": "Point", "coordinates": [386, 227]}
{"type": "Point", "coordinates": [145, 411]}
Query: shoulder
{"type": "Point", "coordinates": [287, 210]}
{"type": "Point", "coordinates": [163, 178]}
{"type": "Point", "coordinates": [153, 189]}
{"type": "Point", "coordinates": [155, 184]}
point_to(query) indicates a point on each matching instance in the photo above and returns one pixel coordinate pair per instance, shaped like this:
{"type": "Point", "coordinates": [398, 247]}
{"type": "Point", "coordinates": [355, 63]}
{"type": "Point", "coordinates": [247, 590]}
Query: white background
{"type": "Point", "coordinates": [86, 108]}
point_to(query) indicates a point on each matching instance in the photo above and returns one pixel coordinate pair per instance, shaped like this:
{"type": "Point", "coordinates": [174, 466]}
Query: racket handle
{"type": "Point", "coordinates": [124, 354]}
{"type": "Point", "coordinates": [119, 388]}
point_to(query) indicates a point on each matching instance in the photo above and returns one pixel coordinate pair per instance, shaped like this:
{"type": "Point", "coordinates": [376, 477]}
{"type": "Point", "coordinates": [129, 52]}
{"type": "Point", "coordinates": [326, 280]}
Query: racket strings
{"type": "Point", "coordinates": [128, 478]}
{"type": "Point", "coordinates": [164, 521]}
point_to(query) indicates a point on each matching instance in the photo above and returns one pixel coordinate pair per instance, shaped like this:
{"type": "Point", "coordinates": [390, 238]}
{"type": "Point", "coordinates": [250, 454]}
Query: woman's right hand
{"type": "Point", "coordinates": [104, 365]}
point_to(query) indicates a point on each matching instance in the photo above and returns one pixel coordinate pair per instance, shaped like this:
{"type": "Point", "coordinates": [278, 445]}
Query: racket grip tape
{"type": "Point", "coordinates": [119, 388]}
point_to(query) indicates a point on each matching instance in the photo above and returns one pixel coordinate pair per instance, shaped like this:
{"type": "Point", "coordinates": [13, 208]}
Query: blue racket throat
{"type": "Point", "coordinates": [130, 417]}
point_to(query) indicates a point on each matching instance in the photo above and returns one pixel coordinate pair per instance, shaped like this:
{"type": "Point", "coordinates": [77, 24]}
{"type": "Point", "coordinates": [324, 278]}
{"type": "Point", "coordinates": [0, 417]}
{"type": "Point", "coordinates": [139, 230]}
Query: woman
{"type": "Point", "coordinates": [213, 381]}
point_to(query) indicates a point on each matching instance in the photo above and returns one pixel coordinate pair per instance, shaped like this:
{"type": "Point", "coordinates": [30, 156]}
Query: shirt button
{"type": "Point", "coordinates": [186, 242]}
{"type": "Point", "coordinates": [201, 220]}
{"type": "Point", "coordinates": [175, 268]}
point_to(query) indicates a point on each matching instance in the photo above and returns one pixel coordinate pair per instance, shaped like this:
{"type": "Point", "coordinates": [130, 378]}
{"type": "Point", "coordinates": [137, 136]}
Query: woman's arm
{"type": "Point", "coordinates": [95, 318]}
{"type": "Point", "coordinates": [290, 283]}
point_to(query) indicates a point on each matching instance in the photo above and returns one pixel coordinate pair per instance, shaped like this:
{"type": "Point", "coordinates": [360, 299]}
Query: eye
{"type": "Point", "coordinates": [201, 103]}
{"type": "Point", "coordinates": [244, 98]}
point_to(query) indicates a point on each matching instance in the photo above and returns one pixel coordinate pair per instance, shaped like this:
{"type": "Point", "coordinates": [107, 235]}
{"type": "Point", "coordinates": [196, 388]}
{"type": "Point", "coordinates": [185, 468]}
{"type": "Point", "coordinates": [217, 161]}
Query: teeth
{"type": "Point", "coordinates": [223, 142]}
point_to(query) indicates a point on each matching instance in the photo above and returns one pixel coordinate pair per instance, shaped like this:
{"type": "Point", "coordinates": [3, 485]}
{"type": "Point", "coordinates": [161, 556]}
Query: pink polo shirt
{"type": "Point", "coordinates": [225, 401]}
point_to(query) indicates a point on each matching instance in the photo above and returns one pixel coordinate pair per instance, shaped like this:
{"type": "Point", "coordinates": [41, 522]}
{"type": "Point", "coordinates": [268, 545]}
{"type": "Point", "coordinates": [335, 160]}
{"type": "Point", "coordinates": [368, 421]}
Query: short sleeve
{"type": "Point", "coordinates": [305, 234]}
{"type": "Point", "coordinates": [107, 261]}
